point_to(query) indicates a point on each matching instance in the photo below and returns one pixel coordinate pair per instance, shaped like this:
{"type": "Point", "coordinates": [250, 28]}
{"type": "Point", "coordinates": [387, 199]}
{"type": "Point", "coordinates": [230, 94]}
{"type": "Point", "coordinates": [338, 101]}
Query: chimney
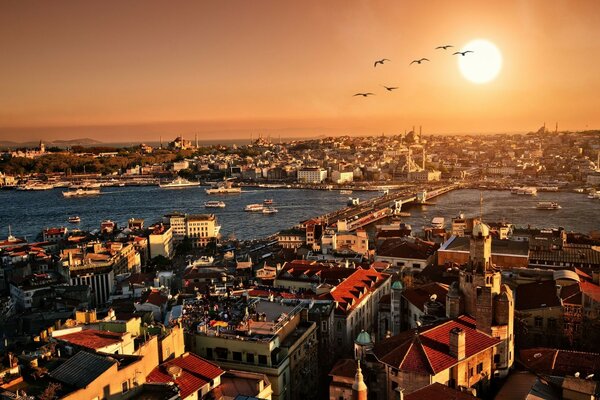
{"type": "Point", "coordinates": [457, 343]}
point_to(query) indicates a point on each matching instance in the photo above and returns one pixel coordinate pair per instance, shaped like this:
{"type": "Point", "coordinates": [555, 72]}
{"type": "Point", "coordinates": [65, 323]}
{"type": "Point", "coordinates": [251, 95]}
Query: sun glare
{"type": "Point", "coordinates": [482, 62]}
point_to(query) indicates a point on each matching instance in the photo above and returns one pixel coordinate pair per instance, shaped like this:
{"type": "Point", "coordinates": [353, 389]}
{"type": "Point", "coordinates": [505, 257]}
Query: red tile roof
{"type": "Point", "coordinates": [92, 338]}
{"type": "Point", "coordinates": [195, 373]}
{"type": "Point", "coordinates": [418, 296]}
{"type": "Point", "coordinates": [437, 391]}
{"type": "Point", "coordinates": [345, 368]}
{"type": "Point", "coordinates": [556, 362]}
{"type": "Point", "coordinates": [155, 297]}
{"type": "Point", "coordinates": [354, 289]}
{"type": "Point", "coordinates": [536, 295]}
{"type": "Point", "coordinates": [428, 352]}
{"type": "Point", "coordinates": [591, 290]}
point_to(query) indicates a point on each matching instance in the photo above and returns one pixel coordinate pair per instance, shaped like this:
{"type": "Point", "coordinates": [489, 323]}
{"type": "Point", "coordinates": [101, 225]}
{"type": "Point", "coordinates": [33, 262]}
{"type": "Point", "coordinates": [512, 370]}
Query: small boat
{"type": "Point", "coordinates": [267, 202]}
{"type": "Point", "coordinates": [178, 184]}
{"type": "Point", "coordinates": [214, 204]}
{"type": "Point", "coordinates": [547, 205]}
{"type": "Point", "coordinates": [270, 210]}
{"type": "Point", "coordinates": [527, 191]}
{"type": "Point", "coordinates": [74, 219]}
{"type": "Point", "coordinates": [345, 191]}
{"type": "Point", "coordinates": [254, 208]}
{"type": "Point", "coordinates": [81, 193]}
{"type": "Point", "coordinates": [224, 187]}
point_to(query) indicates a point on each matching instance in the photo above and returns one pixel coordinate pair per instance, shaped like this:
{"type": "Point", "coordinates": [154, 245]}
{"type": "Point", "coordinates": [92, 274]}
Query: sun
{"type": "Point", "coordinates": [482, 65]}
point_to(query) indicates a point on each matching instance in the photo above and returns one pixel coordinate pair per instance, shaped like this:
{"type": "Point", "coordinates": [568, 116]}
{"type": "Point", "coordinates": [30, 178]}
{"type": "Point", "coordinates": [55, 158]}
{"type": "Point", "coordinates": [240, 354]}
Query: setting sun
{"type": "Point", "coordinates": [483, 64]}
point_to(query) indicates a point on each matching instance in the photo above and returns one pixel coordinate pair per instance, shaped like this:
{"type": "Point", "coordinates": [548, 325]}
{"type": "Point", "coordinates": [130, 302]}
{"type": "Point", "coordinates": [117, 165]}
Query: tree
{"type": "Point", "coordinates": [51, 391]}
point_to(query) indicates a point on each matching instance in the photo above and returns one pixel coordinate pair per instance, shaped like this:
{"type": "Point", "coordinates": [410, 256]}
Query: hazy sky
{"type": "Point", "coordinates": [133, 70]}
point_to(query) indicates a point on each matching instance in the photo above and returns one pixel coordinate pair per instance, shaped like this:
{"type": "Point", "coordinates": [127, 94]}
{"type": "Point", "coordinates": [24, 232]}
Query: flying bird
{"type": "Point", "coordinates": [445, 47]}
{"type": "Point", "coordinates": [364, 94]}
{"type": "Point", "coordinates": [419, 61]}
{"type": "Point", "coordinates": [463, 53]}
{"type": "Point", "coordinates": [380, 62]}
{"type": "Point", "coordinates": [389, 88]}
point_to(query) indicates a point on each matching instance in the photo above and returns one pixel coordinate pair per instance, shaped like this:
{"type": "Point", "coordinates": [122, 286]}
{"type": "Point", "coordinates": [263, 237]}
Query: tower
{"type": "Point", "coordinates": [395, 306]}
{"type": "Point", "coordinates": [359, 389]}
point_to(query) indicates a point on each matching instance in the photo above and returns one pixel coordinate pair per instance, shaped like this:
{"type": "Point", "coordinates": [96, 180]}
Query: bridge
{"type": "Point", "coordinates": [363, 214]}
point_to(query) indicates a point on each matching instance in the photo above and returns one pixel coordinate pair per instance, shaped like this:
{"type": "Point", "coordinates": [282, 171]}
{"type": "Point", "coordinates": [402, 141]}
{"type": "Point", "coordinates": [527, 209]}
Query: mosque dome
{"type": "Point", "coordinates": [363, 338]}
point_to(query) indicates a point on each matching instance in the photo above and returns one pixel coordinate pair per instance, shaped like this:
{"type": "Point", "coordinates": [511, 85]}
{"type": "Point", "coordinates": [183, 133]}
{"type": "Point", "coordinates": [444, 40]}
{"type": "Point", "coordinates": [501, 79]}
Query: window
{"type": "Point", "coordinates": [250, 358]}
{"type": "Point", "coordinates": [125, 386]}
{"type": "Point", "coordinates": [262, 359]}
{"type": "Point", "coordinates": [479, 368]}
{"type": "Point", "coordinates": [496, 358]}
{"type": "Point", "coordinates": [470, 372]}
{"type": "Point", "coordinates": [551, 323]}
{"type": "Point", "coordinates": [416, 265]}
{"type": "Point", "coordinates": [539, 322]}
{"type": "Point", "coordinates": [339, 326]}
{"type": "Point", "coordinates": [237, 356]}
{"type": "Point", "coordinates": [324, 326]}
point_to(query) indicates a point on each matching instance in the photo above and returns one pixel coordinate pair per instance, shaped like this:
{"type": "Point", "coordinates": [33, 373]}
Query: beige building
{"type": "Point", "coordinates": [160, 242]}
{"type": "Point", "coordinates": [311, 175]}
{"type": "Point", "coordinates": [201, 229]}
{"type": "Point", "coordinates": [274, 339]}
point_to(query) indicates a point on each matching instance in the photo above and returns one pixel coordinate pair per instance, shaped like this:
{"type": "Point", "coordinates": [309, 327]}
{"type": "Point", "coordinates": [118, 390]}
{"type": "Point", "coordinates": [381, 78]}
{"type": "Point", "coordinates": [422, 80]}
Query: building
{"type": "Point", "coordinates": [424, 176]}
{"type": "Point", "coordinates": [201, 229]}
{"type": "Point", "coordinates": [291, 238]}
{"type": "Point", "coordinates": [264, 337]}
{"type": "Point", "coordinates": [340, 177]}
{"type": "Point", "coordinates": [506, 254]}
{"type": "Point", "coordinates": [176, 221]}
{"type": "Point", "coordinates": [413, 254]}
{"type": "Point", "coordinates": [195, 377]}
{"type": "Point", "coordinates": [311, 175]}
{"type": "Point", "coordinates": [54, 235]}
{"type": "Point", "coordinates": [160, 241]}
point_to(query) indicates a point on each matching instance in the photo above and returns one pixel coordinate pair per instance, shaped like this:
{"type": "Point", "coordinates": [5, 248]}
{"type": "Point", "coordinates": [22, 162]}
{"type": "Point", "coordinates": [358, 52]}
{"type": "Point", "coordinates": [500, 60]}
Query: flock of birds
{"type": "Point", "coordinates": [416, 61]}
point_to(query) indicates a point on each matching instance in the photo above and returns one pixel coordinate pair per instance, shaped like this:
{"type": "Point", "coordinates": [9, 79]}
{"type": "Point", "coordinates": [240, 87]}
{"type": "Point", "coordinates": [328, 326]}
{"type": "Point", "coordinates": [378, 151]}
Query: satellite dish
{"type": "Point", "coordinates": [419, 324]}
{"type": "Point", "coordinates": [577, 374]}
{"type": "Point", "coordinates": [590, 376]}
{"type": "Point", "coordinates": [174, 371]}
{"type": "Point", "coordinates": [433, 297]}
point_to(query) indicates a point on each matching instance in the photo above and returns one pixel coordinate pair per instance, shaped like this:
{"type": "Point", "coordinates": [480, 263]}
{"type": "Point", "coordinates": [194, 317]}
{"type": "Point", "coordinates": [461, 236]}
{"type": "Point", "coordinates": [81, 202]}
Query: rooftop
{"type": "Point", "coordinates": [82, 369]}
{"type": "Point", "coordinates": [92, 338]}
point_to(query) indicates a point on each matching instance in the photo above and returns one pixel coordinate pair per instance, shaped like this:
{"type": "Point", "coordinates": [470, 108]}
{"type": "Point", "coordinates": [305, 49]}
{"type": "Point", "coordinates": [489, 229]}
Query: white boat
{"type": "Point", "coordinates": [74, 219]}
{"type": "Point", "coordinates": [438, 222]}
{"type": "Point", "coordinates": [178, 183]}
{"type": "Point", "coordinates": [254, 208]}
{"type": "Point", "coordinates": [547, 205]}
{"type": "Point", "coordinates": [35, 186]}
{"type": "Point", "coordinates": [224, 187]}
{"type": "Point", "coordinates": [527, 191]}
{"type": "Point", "coordinates": [81, 193]}
{"type": "Point", "coordinates": [345, 191]}
{"type": "Point", "coordinates": [267, 202]}
{"type": "Point", "coordinates": [270, 210]}
{"type": "Point", "coordinates": [214, 204]}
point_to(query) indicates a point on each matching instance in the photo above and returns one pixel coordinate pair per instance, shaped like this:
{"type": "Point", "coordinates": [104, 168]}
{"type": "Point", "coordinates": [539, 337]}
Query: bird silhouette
{"type": "Point", "coordinates": [364, 94]}
{"type": "Point", "coordinates": [463, 53]}
{"type": "Point", "coordinates": [380, 62]}
{"type": "Point", "coordinates": [389, 88]}
{"type": "Point", "coordinates": [419, 61]}
{"type": "Point", "coordinates": [445, 47]}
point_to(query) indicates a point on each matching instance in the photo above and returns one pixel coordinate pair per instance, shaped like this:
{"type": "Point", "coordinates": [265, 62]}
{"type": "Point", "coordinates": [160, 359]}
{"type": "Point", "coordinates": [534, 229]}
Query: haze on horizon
{"type": "Point", "coordinates": [132, 71]}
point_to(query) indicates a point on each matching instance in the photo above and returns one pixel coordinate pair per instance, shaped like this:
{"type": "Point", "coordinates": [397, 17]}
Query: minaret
{"type": "Point", "coordinates": [359, 389]}
{"type": "Point", "coordinates": [196, 140]}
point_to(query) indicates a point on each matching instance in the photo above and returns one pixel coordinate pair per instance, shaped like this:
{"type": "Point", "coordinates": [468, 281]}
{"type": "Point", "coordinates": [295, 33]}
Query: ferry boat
{"type": "Point", "coordinates": [35, 186]}
{"type": "Point", "coordinates": [81, 193]}
{"type": "Point", "coordinates": [270, 210]}
{"type": "Point", "coordinates": [547, 205]}
{"type": "Point", "coordinates": [345, 191]}
{"type": "Point", "coordinates": [254, 208]}
{"type": "Point", "coordinates": [267, 202]}
{"type": "Point", "coordinates": [74, 219]}
{"type": "Point", "coordinates": [178, 183]}
{"type": "Point", "coordinates": [527, 191]}
{"type": "Point", "coordinates": [214, 204]}
{"type": "Point", "coordinates": [224, 187]}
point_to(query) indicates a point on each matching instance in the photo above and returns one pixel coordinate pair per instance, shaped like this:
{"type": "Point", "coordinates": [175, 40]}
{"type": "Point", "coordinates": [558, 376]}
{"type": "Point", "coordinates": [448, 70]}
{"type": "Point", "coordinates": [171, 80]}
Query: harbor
{"type": "Point", "coordinates": [28, 212]}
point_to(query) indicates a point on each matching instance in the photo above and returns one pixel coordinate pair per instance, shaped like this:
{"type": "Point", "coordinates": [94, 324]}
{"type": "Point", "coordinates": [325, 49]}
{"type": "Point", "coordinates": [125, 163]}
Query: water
{"type": "Point", "coordinates": [30, 212]}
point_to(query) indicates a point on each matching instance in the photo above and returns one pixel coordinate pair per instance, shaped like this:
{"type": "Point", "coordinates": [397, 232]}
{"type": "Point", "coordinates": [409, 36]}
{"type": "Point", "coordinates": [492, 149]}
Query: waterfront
{"type": "Point", "coordinates": [29, 212]}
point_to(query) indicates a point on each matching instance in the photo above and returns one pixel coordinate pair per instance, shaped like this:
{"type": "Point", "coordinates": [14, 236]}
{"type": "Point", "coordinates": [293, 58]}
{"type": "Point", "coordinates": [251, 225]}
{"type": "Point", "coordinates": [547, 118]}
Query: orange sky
{"type": "Point", "coordinates": [133, 70]}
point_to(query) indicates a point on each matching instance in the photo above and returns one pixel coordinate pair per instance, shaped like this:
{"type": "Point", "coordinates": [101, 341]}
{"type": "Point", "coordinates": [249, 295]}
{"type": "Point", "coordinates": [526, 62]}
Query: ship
{"type": "Point", "coordinates": [214, 204]}
{"type": "Point", "coordinates": [528, 191]}
{"type": "Point", "coordinates": [178, 183]}
{"type": "Point", "coordinates": [74, 219]}
{"type": "Point", "coordinates": [254, 207]}
{"type": "Point", "coordinates": [224, 187]}
{"type": "Point", "coordinates": [267, 202]}
{"type": "Point", "coordinates": [269, 210]}
{"type": "Point", "coordinates": [345, 191]}
{"type": "Point", "coordinates": [547, 205]}
{"type": "Point", "coordinates": [81, 193]}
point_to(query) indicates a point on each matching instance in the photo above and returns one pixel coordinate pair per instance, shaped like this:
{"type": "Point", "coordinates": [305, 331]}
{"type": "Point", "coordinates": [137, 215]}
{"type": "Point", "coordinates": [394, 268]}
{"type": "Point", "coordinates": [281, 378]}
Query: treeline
{"type": "Point", "coordinates": [70, 163]}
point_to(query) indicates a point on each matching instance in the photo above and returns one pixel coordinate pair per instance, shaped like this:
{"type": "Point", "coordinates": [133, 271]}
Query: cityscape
{"type": "Point", "coordinates": [381, 241]}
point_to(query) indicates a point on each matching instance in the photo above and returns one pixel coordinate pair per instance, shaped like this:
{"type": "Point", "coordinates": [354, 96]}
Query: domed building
{"type": "Point", "coordinates": [362, 344]}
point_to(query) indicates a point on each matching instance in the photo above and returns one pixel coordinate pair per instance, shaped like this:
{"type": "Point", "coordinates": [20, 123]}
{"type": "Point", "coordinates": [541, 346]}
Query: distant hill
{"type": "Point", "coordinates": [51, 143]}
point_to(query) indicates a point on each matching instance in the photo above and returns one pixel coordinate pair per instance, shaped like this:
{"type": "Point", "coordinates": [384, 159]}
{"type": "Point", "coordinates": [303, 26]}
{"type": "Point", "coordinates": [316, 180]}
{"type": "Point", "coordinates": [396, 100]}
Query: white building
{"type": "Point", "coordinates": [342, 177]}
{"type": "Point", "coordinates": [160, 242]}
{"type": "Point", "coordinates": [312, 175]}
